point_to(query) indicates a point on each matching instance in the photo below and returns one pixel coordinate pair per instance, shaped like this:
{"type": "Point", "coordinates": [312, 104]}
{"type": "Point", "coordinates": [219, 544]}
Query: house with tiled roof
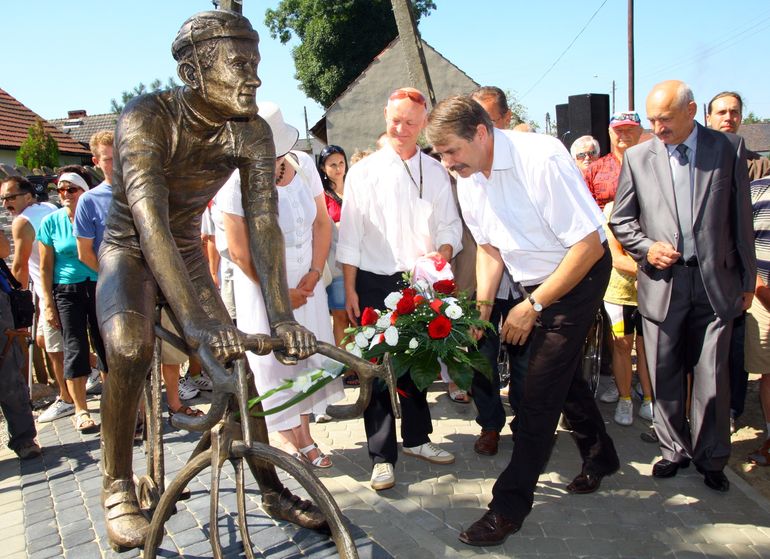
{"type": "Point", "coordinates": [15, 120]}
{"type": "Point", "coordinates": [82, 126]}
{"type": "Point", "coordinates": [355, 119]}
{"type": "Point", "coordinates": [757, 137]}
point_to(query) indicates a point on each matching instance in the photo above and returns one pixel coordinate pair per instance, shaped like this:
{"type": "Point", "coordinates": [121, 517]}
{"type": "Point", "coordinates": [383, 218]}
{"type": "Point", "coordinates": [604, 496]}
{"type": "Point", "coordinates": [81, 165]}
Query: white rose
{"type": "Point", "coordinates": [453, 312]}
{"type": "Point", "coordinates": [413, 343]}
{"type": "Point", "coordinates": [391, 336]}
{"type": "Point", "coordinates": [353, 348]}
{"type": "Point", "coordinates": [384, 321]}
{"type": "Point", "coordinates": [450, 300]}
{"type": "Point", "coordinates": [362, 340]}
{"type": "Point", "coordinates": [369, 332]}
{"type": "Point", "coordinates": [303, 382]}
{"type": "Point", "coordinates": [392, 299]}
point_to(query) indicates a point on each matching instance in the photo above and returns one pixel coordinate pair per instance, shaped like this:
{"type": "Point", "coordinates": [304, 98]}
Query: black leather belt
{"type": "Point", "coordinates": [691, 262]}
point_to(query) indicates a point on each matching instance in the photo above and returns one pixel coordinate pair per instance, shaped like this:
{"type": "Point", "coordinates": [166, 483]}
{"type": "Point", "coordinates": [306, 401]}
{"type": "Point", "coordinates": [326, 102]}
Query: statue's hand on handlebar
{"type": "Point", "coordinates": [298, 342]}
{"type": "Point", "coordinates": [222, 339]}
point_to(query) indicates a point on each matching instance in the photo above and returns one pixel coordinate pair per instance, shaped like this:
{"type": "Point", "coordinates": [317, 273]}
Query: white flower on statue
{"type": "Point", "coordinates": [362, 340]}
{"type": "Point", "coordinates": [303, 382]}
{"type": "Point", "coordinates": [392, 299]}
{"type": "Point", "coordinates": [369, 332]}
{"type": "Point", "coordinates": [391, 336]}
{"type": "Point", "coordinates": [453, 311]}
{"type": "Point", "coordinates": [413, 343]}
{"type": "Point", "coordinates": [353, 348]}
{"type": "Point", "coordinates": [384, 321]}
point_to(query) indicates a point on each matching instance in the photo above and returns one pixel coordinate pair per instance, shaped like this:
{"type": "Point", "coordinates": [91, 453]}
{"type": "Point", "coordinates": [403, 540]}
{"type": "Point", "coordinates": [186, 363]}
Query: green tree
{"type": "Point", "coordinates": [39, 149]}
{"type": "Point", "coordinates": [140, 89]}
{"type": "Point", "coordinates": [751, 118]}
{"type": "Point", "coordinates": [338, 39]}
{"type": "Point", "coordinates": [518, 111]}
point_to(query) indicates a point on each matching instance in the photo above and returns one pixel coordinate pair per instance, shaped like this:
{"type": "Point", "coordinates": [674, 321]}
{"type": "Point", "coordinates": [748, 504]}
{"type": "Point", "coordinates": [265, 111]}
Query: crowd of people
{"type": "Point", "coordinates": [659, 234]}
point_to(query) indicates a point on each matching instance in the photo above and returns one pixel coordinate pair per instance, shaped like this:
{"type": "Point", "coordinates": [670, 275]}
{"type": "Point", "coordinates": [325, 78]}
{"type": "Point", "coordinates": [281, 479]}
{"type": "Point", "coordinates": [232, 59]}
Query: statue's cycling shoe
{"type": "Point", "coordinates": [126, 524]}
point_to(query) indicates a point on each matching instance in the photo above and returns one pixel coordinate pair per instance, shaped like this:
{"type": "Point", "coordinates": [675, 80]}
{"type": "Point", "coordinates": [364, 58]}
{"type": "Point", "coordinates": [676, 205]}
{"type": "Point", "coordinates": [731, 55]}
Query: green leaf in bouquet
{"type": "Point", "coordinates": [480, 363]}
{"type": "Point", "coordinates": [461, 373]}
{"type": "Point", "coordinates": [424, 369]}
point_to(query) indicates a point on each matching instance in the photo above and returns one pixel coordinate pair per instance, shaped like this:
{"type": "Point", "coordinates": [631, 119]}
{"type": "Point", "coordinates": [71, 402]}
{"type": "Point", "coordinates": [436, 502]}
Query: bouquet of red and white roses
{"type": "Point", "coordinates": [421, 325]}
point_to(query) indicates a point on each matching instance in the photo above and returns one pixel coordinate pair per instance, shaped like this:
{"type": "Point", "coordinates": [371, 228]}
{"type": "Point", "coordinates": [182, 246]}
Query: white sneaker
{"type": "Point", "coordinates": [645, 410]}
{"type": "Point", "coordinates": [201, 382]}
{"type": "Point", "coordinates": [430, 453]}
{"type": "Point", "coordinates": [187, 391]}
{"type": "Point", "coordinates": [382, 476]}
{"type": "Point", "coordinates": [611, 395]}
{"type": "Point", "coordinates": [94, 382]}
{"type": "Point", "coordinates": [624, 412]}
{"type": "Point", "coordinates": [58, 409]}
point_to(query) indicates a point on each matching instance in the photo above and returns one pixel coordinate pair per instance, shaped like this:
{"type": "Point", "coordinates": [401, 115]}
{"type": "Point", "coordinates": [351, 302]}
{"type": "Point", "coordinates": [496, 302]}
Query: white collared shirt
{"type": "Point", "coordinates": [534, 206]}
{"type": "Point", "coordinates": [385, 225]}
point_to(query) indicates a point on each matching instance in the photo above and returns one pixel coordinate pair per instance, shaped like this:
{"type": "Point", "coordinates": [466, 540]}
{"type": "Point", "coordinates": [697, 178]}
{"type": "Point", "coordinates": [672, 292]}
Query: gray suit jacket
{"type": "Point", "coordinates": [645, 212]}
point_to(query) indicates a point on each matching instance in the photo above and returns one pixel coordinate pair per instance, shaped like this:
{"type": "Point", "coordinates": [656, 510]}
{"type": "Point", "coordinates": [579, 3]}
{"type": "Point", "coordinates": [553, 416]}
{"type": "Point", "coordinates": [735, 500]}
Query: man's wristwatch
{"type": "Point", "coordinates": [535, 305]}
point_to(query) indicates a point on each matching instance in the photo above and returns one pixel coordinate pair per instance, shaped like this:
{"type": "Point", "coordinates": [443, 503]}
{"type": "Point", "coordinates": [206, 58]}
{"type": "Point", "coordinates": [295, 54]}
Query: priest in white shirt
{"type": "Point", "coordinates": [529, 210]}
{"type": "Point", "coordinates": [398, 207]}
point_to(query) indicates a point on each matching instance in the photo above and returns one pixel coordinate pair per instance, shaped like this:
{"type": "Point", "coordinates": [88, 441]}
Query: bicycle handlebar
{"type": "Point", "coordinates": [226, 384]}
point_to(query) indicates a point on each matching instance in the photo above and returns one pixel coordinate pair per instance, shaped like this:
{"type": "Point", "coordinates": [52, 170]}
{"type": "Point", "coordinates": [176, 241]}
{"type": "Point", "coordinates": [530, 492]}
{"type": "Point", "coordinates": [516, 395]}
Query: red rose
{"type": "Point", "coordinates": [435, 304]}
{"type": "Point", "coordinates": [369, 317]}
{"type": "Point", "coordinates": [393, 318]}
{"type": "Point", "coordinates": [409, 292]}
{"type": "Point", "coordinates": [447, 287]}
{"type": "Point", "coordinates": [418, 299]}
{"type": "Point", "coordinates": [405, 305]}
{"type": "Point", "coordinates": [439, 327]}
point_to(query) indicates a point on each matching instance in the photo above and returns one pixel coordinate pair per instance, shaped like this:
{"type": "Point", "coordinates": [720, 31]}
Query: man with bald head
{"type": "Point", "coordinates": [682, 211]}
{"type": "Point", "coordinates": [398, 207]}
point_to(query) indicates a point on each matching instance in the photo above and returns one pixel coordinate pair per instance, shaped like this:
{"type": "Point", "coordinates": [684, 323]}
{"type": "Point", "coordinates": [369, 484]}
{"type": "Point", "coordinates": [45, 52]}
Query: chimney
{"type": "Point", "coordinates": [79, 113]}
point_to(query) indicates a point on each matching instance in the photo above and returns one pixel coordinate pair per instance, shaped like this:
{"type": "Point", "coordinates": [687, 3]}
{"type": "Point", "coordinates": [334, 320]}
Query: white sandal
{"type": "Point", "coordinates": [320, 461]}
{"type": "Point", "coordinates": [84, 423]}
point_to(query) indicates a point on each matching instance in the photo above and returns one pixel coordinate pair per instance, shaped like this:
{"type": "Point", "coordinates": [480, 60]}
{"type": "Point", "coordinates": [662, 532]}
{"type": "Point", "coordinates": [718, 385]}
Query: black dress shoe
{"type": "Point", "coordinates": [667, 468]}
{"type": "Point", "coordinates": [584, 483]}
{"type": "Point", "coordinates": [715, 479]}
{"type": "Point", "coordinates": [491, 529]}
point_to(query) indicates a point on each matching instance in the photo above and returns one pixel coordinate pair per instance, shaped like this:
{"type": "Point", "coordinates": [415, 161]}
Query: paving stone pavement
{"type": "Point", "coordinates": [50, 507]}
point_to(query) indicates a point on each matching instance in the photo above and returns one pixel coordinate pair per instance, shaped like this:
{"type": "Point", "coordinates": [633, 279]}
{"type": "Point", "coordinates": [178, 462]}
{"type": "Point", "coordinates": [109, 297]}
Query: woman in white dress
{"type": "Point", "coordinates": [307, 231]}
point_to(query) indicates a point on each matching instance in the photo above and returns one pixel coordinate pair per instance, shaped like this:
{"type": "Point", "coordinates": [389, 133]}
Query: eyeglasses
{"type": "Point", "coordinates": [630, 116]}
{"type": "Point", "coordinates": [68, 189]}
{"type": "Point", "coordinates": [331, 150]}
{"type": "Point", "coordinates": [415, 96]}
{"type": "Point", "coordinates": [11, 197]}
{"type": "Point", "coordinates": [585, 154]}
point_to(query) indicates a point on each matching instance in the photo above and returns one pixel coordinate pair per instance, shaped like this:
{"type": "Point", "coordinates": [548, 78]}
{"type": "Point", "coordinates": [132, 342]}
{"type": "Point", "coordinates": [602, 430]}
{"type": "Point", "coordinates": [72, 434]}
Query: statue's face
{"type": "Point", "coordinates": [231, 82]}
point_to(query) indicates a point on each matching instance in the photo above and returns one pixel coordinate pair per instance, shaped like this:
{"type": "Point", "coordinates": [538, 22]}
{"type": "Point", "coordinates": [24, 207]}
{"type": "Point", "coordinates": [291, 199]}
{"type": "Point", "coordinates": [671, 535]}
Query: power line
{"type": "Point", "coordinates": [728, 42]}
{"type": "Point", "coordinates": [565, 51]}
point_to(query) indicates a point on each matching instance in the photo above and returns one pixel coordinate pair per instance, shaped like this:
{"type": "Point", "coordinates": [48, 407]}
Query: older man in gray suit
{"type": "Point", "coordinates": [682, 210]}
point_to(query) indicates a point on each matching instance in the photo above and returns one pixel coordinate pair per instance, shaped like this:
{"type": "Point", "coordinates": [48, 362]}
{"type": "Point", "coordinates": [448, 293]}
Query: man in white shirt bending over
{"type": "Point", "coordinates": [529, 210]}
{"type": "Point", "coordinates": [398, 207]}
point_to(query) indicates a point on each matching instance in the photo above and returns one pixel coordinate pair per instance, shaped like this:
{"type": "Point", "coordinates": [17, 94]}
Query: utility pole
{"type": "Point", "coordinates": [412, 48]}
{"type": "Point", "coordinates": [631, 54]}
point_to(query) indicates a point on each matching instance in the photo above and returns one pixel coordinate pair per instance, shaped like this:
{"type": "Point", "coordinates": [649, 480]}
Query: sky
{"type": "Point", "coordinates": [80, 54]}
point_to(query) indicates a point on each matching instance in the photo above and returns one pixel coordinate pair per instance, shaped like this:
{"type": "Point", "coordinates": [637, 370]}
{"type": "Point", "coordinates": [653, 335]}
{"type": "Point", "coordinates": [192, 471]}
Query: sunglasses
{"type": "Point", "coordinates": [585, 154]}
{"type": "Point", "coordinates": [11, 197]}
{"type": "Point", "coordinates": [68, 189]}
{"type": "Point", "coordinates": [632, 117]}
{"type": "Point", "coordinates": [415, 96]}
